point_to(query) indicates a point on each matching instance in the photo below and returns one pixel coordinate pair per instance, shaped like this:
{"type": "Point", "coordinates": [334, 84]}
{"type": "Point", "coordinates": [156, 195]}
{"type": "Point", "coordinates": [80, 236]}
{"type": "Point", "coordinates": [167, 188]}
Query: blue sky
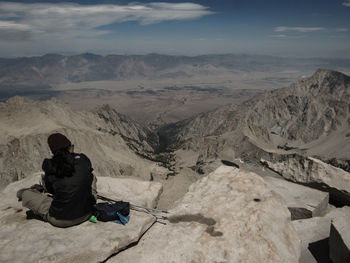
{"type": "Point", "coordinates": [309, 28]}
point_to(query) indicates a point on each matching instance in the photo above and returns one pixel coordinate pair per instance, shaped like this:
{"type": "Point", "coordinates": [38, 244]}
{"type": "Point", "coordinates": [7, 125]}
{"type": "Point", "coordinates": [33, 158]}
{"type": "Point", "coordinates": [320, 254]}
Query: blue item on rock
{"type": "Point", "coordinates": [123, 220]}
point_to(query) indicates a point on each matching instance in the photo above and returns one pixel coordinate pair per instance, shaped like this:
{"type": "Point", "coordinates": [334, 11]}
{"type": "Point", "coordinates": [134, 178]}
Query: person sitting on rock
{"type": "Point", "coordinates": [68, 193]}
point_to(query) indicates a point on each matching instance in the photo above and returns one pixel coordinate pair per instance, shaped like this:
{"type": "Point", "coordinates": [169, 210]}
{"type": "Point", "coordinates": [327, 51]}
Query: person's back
{"type": "Point", "coordinates": [68, 198]}
{"type": "Point", "coordinates": [72, 197]}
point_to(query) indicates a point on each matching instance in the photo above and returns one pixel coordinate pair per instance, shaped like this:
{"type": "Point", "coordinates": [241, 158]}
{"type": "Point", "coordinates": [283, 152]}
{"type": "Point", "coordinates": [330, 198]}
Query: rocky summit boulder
{"type": "Point", "coordinates": [313, 172]}
{"type": "Point", "coordinates": [312, 230]}
{"type": "Point", "coordinates": [25, 240]}
{"type": "Point", "coordinates": [339, 240]}
{"type": "Point", "coordinates": [303, 202]}
{"type": "Point", "coordinates": [228, 216]}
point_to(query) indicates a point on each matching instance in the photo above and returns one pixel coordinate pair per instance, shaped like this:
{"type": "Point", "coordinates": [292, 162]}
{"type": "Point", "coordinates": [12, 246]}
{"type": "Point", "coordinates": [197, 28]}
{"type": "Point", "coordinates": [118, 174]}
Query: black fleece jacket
{"type": "Point", "coordinates": [72, 197]}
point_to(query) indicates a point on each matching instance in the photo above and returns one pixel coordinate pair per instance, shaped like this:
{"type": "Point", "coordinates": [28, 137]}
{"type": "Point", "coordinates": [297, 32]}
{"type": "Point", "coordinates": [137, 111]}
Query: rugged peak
{"type": "Point", "coordinates": [52, 55]}
{"type": "Point", "coordinates": [326, 73]}
{"type": "Point", "coordinates": [327, 82]}
{"type": "Point", "coordinates": [15, 105]}
{"type": "Point", "coordinates": [26, 107]}
{"type": "Point", "coordinates": [103, 107]}
{"type": "Point", "coordinates": [18, 100]}
{"type": "Point", "coordinates": [327, 76]}
{"type": "Point", "coordinates": [90, 56]}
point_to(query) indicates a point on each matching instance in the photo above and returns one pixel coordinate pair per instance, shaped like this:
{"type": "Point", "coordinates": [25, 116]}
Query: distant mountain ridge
{"type": "Point", "coordinates": [53, 68]}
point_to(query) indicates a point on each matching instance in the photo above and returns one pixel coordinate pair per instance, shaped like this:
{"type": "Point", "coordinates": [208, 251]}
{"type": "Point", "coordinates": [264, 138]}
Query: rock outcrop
{"type": "Point", "coordinates": [312, 230]}
{"type": "Point", "coordinates": [313, 172]}
{"type": "Point", "coordinates": [307, 257]}
{"type": "Point", "coordinates": [303, 202]}
{"type": "Point", "coordinates": [224, 217]}
{"type": "Point", "coordinates": [339, 240]}
{"type": "Point", "coordinates": [36, 241]}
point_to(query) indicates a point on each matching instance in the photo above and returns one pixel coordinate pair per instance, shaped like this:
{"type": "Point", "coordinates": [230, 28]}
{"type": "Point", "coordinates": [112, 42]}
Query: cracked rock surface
{"type": "Point", "coordinates": [224, 217]}
{"type": "Point", "coordinates": [25, 240]}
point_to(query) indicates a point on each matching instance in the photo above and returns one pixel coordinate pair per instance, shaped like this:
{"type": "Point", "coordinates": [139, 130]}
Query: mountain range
{"type": "Point", "coordinates": [44, 71]}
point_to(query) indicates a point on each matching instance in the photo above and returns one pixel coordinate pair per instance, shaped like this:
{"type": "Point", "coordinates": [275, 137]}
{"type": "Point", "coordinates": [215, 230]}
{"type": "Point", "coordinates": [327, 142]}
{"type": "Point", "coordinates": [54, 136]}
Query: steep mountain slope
{"type": "Point", "coordinates": [139, 138]}
{"type": "Point", "coordinates": [304, 112]}
{"type": "Point", "coordinates": [311, 116]}
{"type": "Point", "coordinates": [106, 137]}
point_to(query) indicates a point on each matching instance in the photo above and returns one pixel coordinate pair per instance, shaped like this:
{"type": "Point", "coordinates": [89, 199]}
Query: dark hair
{"type": "Point", "coordinates": [63, 163]}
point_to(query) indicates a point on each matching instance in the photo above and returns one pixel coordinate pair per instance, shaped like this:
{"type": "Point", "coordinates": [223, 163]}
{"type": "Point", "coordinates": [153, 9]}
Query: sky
{"type": "Point", "coordinates": [289, 28]}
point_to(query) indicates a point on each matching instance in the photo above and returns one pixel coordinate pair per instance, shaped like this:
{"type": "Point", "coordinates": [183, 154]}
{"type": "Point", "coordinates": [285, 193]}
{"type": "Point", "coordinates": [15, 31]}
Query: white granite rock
{"type": "Point", "coordinates": [303, 202]}
{"type": "Point", "coordinates": [307, 257]}
{"type": "Point", "coordinates": [312, 230]}
{"type": "Point", "coordinates": [339, 240]}
{"type": "Point", "coordinates": [314, 172]}
{"type": "Point", "coordinates": [138, 192]}
{"type": "Point", "coordinates": [36, 241]}
{"type": "Point", "coordinates": [227, 216]}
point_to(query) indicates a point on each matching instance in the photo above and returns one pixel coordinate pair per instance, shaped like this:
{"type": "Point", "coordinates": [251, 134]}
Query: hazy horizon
{"type": "Point", "coordinates": [68, 54]}
{"type": "Point", "coordinates": [312, 29]}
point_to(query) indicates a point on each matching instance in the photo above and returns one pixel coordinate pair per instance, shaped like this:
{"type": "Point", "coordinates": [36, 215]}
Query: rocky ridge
{"type": "Point", "coordinates": [142, 140]}
{"type": "Point", "coordinates": [113, 142]}
{"type": "Point", "coordinates": [309, 118]}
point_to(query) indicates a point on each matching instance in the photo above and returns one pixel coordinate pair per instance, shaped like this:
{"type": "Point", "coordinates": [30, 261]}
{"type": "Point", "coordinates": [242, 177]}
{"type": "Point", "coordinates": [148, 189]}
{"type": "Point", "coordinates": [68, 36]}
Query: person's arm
{"type": "Point", "coordinates": [94, 178]}
{"type": "Point", "coordinates": [45, 178]}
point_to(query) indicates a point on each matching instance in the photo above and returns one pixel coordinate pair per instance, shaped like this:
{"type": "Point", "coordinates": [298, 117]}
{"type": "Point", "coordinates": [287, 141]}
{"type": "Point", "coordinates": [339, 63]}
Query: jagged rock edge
{"type": "Point", "coordinates": [133, 244]}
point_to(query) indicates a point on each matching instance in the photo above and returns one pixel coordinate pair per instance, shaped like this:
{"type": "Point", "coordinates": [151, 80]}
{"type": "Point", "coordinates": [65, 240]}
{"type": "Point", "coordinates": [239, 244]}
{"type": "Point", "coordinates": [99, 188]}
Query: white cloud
{"type": "Point", "coordinates": [298, 29]}
{"type": "Point", "coordinates": [9, 25]}
{"type": "Point", "coordinates": [70, 20]}
{"type": "Point", "coordinates": [347, 4]}
{"type": "Point", "coordinates": [279, 36]}
{"type": "Point", "coordinates": [12, 31]}
{"type": "Point", "coordinates": [341, 29]}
